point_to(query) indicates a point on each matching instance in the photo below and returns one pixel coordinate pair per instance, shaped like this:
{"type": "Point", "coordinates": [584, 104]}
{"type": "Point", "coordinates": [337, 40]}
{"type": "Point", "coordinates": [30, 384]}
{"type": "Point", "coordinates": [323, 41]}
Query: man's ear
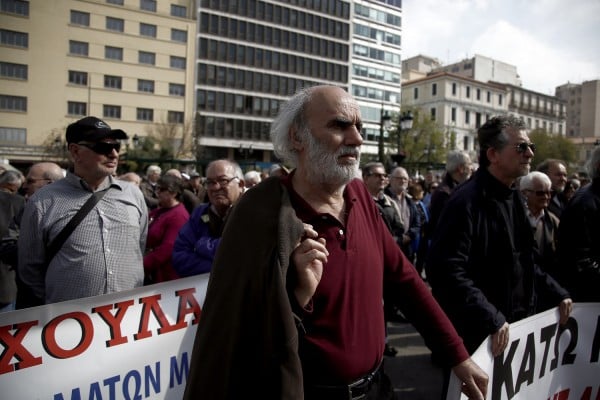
{"type": "Point", "coordinates": [295, 138]}
{"type": "Point", "coordinates": [491, 154]}
{"type": "Point", "coordinates": [73, 150]}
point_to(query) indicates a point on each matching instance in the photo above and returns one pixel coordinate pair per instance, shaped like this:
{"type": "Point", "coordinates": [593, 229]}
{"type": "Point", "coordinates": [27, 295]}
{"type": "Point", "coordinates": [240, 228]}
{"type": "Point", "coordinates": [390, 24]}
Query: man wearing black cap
{"type": "Point", "coordinates": [103, 254]}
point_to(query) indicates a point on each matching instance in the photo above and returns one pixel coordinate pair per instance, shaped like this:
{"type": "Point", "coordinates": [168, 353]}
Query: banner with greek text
{"type": "Point", "coordinates": [544, 360]}
{"type": "Point", "coordinates": [129, 345]}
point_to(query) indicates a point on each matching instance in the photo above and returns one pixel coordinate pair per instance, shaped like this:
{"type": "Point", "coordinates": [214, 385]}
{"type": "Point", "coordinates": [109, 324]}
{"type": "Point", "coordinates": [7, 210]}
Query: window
{"type": "Point", "coordinates": [468, 91]}
{"type": "Point", "coordinates": [78, 78]}
{"type": "Point", "coordinates": [147, 30]}
{"type": "Point", "coordinates": [146, 57]}
{"type": "Point", "coordinates": [145, 114]}
{"type": "Point", "coordinates": [15, 71]}
{"type": "Point", "coordinates": [499, 99]}
{"type": "Point", "coordinates": [453, 117]}
{"type": "Point", "coordinates": [109, 111]}
{"type": "Point", "coordinates": [13, 135]}
{"type": "Point", "coordinates": [454, 88]}
{"type": "Point", "coordinates": [434, 89]}
{"type": "Point", "coordinates": [112, 82]}
{"type": "Point", "coordinates": [113, 53]}
{"type": "Point", "coordinates": [175, 117]}
{"type": "Point", "coordinates": [467, 117]}
{"type": "Point", "coordinates": [115, 24]}
{"type": "Point", "coordinates": [12, 38]}
{"type": "Point", "coordinates": [76, 108]}
{"type": "Point", "coordinates": [178, 11]}
{"type": "Point", "coordinates": [148, 5]}
{"type": "Point", "coordinates": [478, 94]}
{"type": "Point", "coordinates": [145, 85]}
{"type": "Point", "coordinates": [176, 89]}
{"type": "Point", "coordinates": [80, 18]}
{"type": "Point", "coordinates": [416, 93]}
{"type": "Point", "coordinates": [117, 2]}
{"type": "Point", "coordinates": [78, 48]}
{"type": "Point", "coordinates": [177, 62]}
{"type": "Point", "coordinates": [18, 7]}
{"type": "Point", "coordinates": [433, 112]}
{"type": "Point", "coordinates": [489, 96]}
{"type": "Point", "coordinates": [13, 103]}
{"type": "Point", "coordinates": [178, 35]}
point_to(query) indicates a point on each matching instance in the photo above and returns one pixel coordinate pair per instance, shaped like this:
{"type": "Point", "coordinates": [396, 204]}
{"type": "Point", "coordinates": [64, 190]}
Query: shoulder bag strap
{"type": "Point", "coordinates": [60, 239]}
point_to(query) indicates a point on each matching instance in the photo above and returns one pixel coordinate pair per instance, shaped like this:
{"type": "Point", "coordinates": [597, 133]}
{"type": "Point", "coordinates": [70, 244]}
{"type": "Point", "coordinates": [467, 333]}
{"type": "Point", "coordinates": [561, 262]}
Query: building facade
{"type": "Point", "coordinates": [254, 54]}
{"type": "Point", "coordinates": [460, 105]}
{"type": "Point", "coordinates": [223, 66]}
{"type": "Point", "coordinates": [583, 114]}
{"type": "Point", "coordinates": [461, 101]}
{"type": "Point", "coordinates": [129, 62]}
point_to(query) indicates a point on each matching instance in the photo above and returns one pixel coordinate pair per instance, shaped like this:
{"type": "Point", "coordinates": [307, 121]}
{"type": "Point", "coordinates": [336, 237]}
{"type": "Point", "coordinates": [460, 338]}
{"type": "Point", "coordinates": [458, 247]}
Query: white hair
{"type": "Point", "coordinates": [526, 182]}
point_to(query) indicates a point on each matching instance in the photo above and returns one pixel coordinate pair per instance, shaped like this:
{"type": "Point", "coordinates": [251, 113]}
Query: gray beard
{"type": "Point", "coordinates": [323, 168]}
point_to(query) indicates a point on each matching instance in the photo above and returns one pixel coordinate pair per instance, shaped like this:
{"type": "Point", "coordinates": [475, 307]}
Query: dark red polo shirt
{"type": "Point", "coordinates": [345, 335]}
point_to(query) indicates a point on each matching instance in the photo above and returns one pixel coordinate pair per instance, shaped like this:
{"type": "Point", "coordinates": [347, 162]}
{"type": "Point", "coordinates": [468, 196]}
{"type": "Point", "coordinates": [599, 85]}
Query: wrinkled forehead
{"type": "Point", "coordinates": [331, 102]}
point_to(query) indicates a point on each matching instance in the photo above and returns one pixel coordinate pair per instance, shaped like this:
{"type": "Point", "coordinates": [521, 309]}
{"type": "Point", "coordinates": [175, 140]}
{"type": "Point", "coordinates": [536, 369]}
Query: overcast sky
{"type": "Point", "coordinates": [549, 41]}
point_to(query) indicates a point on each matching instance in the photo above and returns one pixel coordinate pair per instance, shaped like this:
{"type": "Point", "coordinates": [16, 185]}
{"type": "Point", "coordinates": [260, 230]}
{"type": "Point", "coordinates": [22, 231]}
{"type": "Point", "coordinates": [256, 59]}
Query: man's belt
{"type": "Point", "coordinates": [353, 391]}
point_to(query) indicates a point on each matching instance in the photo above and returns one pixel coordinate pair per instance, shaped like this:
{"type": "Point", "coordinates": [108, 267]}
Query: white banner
{"type": "Point", "coordinates": [137, 345]}
{"type": "Point", "coordinates": [544, 360]}
{"type": "Point", "coordinates": [130, 345]}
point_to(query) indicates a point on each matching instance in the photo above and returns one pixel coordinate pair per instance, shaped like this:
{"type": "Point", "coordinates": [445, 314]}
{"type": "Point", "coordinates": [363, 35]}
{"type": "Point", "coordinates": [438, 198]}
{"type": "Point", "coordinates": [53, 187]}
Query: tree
{"type": "Point", "coordinates": [166, 144]}
{"type": "Point", "coordinates": [424, 144]}
{"type": "Point", "coordinates": [55, 147]}
{"type": "Point", "coordinates": [552, 146]}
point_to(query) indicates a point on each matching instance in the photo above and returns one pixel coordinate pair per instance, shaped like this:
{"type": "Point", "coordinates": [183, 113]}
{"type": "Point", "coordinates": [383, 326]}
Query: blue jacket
{"type": "Point", "coordinates": [195, 248]}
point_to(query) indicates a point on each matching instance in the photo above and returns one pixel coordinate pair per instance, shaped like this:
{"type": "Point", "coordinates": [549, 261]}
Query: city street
{"type": "Point", "coordinates": [413, 374]}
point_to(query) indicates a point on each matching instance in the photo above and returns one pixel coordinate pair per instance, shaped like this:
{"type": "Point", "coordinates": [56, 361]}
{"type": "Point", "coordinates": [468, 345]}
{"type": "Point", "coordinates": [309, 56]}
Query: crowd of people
{"type": "Point", "coordinates": [314, 258]}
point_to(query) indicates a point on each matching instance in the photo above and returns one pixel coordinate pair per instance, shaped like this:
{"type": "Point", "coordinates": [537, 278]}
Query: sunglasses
{"type": "Point", "coordinates": [540, 193]}
{"type": "Point", "coordinates": [380, 176]}
{"type": "Point", "coordinates": [522, 147]}
{"type": "Point", "coordinates": [102, 147]}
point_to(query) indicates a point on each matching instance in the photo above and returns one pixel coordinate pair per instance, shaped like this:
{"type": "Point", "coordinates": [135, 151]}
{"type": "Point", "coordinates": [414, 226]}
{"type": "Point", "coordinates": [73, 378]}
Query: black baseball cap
{"type": "Point", "coordinates": [92, 129]}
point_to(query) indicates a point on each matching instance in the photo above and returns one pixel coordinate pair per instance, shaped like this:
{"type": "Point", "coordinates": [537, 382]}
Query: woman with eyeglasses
{"type": "Point", "coordinates": [164, 225]}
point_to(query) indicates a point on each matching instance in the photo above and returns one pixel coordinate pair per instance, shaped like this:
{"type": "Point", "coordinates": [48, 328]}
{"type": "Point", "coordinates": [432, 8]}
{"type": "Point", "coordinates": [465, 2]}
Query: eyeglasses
{"type": "Point", "coordinates": [540, 193]}
{"type": "Point", "coordinates": [222, 182]}
{"type": "Point", "coordinates": [380, 176]}
{"type": "Point", "coordinates": [31, 181]}
{"type": "Point", "coordinates": [523, 146]}
{"type": "Point", "coordinates": [103, 148]}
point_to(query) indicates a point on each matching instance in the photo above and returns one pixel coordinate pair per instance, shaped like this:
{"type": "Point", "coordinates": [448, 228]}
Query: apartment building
{"type": "Point", "coordinates": [376, 74]}
{"type": "Point", "coordinates": [538, 110]}
{"type": "Point", "coordinates": [476, 89]}
{"type": "Point", "coordinates": [129, 62]}
{"type": "Point", "coordinates": [484, 69]}
{"type": "Point", "coordinates": [583, 114]}
{"type": "Point", "coordinates": [226, 66]}
{"type": "Point", "coordinates": [254, 54]}
{"type": "Point", "coordinates": [457, 103]}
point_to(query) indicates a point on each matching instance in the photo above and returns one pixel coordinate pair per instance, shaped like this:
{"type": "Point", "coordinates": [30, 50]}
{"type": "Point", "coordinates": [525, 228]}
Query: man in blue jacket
{"type": "Point", "coordinates": [199, 238]}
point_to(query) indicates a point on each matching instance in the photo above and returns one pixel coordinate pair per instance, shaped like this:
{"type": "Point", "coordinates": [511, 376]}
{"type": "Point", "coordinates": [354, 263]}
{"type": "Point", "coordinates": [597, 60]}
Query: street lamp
{"type": "Point", "coordinates": [406, 124]}
{"type": "Point", "coordinates": [385, 121]}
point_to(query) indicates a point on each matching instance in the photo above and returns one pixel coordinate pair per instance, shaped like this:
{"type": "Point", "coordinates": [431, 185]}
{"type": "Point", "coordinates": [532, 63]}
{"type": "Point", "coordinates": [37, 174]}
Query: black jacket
{"type": "Point", "coordinates": [481, 265]}
{"type": "Point", "coordinates": [579, 243]}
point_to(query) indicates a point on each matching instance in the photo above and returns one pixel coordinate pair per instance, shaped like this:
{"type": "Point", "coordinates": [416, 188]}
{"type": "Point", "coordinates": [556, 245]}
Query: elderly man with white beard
{"type": "Point", "coordinates": [300, 315]}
